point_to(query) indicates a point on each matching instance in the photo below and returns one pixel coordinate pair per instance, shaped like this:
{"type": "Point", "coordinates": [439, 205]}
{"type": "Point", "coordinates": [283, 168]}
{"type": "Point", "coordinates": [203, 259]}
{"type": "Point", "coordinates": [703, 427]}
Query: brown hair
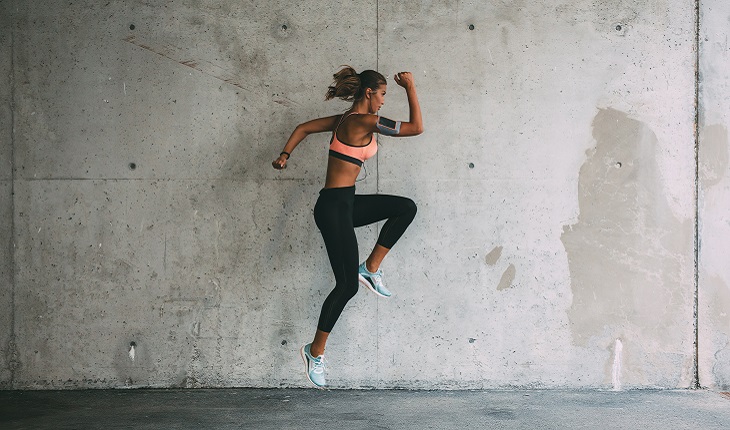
{"type": "Point", "coordinates": [350, 85]}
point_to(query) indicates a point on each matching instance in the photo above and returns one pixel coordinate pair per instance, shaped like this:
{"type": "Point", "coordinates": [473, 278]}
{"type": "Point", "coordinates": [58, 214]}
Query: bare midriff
{"type": "Point", "coordinates": [340, 173]}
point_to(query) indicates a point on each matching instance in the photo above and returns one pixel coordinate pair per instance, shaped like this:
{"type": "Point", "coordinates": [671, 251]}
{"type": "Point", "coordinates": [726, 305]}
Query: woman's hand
{"type": "Point", "coordinates": [280, 163]}
{"type": "Point", "coordinates": [405, 80]}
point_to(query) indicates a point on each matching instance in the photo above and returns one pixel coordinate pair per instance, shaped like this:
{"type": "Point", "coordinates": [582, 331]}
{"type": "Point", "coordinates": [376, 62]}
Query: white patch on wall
{"type": "Point", "coordinates": [131, 351]}
{"type": "Point", "coordinates": [616, 373]}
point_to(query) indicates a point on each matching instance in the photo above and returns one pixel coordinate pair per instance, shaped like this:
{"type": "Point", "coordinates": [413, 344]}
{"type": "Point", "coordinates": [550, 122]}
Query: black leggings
{"type": "Point", "coordinates": [337, 212]}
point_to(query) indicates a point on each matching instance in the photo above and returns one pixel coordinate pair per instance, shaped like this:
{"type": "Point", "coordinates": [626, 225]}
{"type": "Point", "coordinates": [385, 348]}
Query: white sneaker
{"type": "Point", "coordinates": [372, 281]}
{"type": "Point", "coordinates": [314, 366]}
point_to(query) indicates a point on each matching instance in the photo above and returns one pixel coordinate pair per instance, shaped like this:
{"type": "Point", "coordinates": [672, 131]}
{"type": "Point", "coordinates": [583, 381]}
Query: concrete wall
{"type": "Point", "coordinates": [714, 197]}
{"type": "Point", "coordinates": [570, 115]}
{"type": "Point", "coordinates": [6, 200]}
{"type": "Point", "coordinates": [555, 182]}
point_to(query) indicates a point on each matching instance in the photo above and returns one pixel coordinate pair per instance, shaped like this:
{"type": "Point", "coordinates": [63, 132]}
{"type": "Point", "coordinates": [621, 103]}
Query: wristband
{"type": "Point", "coordinates": [287, 154]}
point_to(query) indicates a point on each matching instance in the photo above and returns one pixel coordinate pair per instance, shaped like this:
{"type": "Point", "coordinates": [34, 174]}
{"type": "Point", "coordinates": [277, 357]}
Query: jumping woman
{"type": "Point", "coordinates": [339, 210]}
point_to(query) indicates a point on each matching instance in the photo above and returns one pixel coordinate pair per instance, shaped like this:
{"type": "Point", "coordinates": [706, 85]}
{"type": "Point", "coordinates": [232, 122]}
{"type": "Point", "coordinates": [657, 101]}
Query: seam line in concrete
{"type": "Point", "coordinates": [696, 374]}
{"type": "Point", "coordinates": [377, 190]}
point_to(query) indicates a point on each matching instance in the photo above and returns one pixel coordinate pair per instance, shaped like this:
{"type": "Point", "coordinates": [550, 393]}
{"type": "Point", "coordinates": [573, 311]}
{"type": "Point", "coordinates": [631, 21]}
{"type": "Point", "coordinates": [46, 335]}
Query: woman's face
{"type": "Point", "coordinates": [377, 98]}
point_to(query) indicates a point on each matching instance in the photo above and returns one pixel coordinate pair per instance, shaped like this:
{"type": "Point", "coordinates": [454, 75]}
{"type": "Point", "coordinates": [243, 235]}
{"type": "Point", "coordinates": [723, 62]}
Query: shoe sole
{"type": "Point", "coordinates": [364, 282]}
{"type": "Point", "coordinates": [306, 368]}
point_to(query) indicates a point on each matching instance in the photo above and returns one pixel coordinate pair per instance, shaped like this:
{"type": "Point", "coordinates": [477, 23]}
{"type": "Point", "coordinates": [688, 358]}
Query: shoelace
{"type": "Point", "coordinates": [318, 365]}
{"type": "Point", "coordinates": [377, 277]}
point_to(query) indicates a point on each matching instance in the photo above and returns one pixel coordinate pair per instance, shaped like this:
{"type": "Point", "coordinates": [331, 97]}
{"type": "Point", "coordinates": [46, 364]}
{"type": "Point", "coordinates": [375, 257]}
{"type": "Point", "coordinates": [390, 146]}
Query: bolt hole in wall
{"type": "Point", "coordinates": [131, 26]}
{"type": "Point", "coordinates": [471, 26]}
{"type": "Point", "coordinates": [132, 166]}
{"type": "Point", "coordinates": [619, 28]}
{"type": "Point", "coordinates": [471, 165]}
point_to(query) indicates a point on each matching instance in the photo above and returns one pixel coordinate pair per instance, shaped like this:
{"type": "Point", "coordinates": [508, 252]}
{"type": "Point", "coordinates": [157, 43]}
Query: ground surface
{"type": "Point", "coordinates": [299, 409]}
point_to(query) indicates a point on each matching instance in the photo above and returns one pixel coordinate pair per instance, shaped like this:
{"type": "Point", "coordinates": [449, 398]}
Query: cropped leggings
{"type": "Point", "coordinates": [337, 212]}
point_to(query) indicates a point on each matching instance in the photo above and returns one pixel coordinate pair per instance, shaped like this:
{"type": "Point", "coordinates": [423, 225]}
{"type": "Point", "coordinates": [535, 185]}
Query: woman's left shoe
{"type": "Point", "coordinates": [314, 367]}
{"type": "Point", "coordinates": [372, 281]}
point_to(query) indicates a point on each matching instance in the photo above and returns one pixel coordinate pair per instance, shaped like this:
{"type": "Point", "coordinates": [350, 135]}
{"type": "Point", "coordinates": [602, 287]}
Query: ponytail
{"type": "Point", "coordinates": [350, 86]}
{"type": "Point", "coordinates": [345, 86]}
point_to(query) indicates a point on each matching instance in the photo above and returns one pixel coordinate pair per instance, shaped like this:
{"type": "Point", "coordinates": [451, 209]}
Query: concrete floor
{"type": "Point", "coordinates": [299, 409]}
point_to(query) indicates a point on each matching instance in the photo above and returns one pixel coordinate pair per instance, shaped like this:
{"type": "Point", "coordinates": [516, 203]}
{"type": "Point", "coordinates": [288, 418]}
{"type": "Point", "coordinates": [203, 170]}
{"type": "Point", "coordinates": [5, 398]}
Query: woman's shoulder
{"type": "Point", "coordinates": [361, 118]}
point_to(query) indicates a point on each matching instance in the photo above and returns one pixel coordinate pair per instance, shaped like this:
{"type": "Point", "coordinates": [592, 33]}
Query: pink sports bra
{"type": "Point", "coordinates": [353, 154]}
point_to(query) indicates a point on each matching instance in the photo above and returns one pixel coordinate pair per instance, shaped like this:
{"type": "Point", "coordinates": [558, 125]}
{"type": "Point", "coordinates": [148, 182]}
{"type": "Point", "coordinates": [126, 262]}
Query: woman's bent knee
{"type": "Point", "coordinates": [411, 207]}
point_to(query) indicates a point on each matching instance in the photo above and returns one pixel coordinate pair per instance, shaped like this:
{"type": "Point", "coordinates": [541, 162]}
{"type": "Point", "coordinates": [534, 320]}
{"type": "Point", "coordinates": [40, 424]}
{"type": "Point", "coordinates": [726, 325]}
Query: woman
{"type": "Point", "coordinates": [339, 210]}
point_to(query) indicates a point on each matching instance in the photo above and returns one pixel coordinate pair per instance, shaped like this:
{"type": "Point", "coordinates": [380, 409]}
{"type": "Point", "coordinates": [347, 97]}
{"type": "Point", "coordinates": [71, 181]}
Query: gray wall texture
{"type": "Point", "coordinates": [7, 349]}
{"type": "Point", "coordinates": [714, 195]}
{"type": "Point", "coordinates": [572, 183]}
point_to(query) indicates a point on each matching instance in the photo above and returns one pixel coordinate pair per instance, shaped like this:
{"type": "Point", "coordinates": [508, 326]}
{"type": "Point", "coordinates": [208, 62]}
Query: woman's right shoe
{"type": "Point", "coordinates": [372, 281]}
{"type": "Point", "coordinates": [314, 367]}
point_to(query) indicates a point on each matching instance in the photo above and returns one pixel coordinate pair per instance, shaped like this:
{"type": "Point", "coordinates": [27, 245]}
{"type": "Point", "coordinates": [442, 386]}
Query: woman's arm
{"type": "Point", "coordinates": [414, 126]}
{"type": "Point", "coordinates": [388, 127]}
{"type": "Point", "coordinates": [300, 132]}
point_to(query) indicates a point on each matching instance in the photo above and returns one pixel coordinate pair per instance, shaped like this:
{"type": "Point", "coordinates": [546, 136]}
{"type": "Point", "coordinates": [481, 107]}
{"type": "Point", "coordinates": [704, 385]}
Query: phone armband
{"type": "Point", "coordinates": [387, 126]}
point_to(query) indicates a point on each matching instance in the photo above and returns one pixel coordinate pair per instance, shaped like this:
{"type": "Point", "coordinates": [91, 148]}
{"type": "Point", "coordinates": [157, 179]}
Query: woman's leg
{"type": "Point", "coordinates": [319, 343]}
{"type": "Point", "coordinates": [333, 216]}
{"type": "Point", "coordinates": [371, 208]}
{"type": "Point", "coordinates": [376, 257]}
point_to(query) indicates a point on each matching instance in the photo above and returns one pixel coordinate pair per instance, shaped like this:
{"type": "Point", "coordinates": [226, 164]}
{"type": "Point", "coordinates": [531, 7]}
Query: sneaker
{"type": "Point", "coordinates": [314, 367]}
{"type": "Point", "coordinates": [373, 281]}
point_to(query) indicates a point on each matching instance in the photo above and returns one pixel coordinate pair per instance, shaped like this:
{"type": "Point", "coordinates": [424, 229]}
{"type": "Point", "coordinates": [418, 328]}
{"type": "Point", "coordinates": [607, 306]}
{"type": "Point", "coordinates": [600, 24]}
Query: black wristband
{"type": "Point", "coordinates": [287, 154]}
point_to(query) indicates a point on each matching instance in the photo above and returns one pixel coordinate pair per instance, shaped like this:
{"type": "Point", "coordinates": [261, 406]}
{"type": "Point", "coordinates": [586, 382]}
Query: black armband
{"type": "Point", "coordinates": [387, 126]}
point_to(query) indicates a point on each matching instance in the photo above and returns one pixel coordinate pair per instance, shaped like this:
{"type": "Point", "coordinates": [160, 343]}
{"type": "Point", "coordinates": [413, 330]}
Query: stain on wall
{"type": "Point", "coordinates": [630, 259]}
{"type": "Point", "coordinates": [493, 256]}
{"type": "Point", "coordinates": [507, 278]}
{"type": "Point", "coordinates": [714, 155]}
{"type": "Point", "coordinates": [715, 344]}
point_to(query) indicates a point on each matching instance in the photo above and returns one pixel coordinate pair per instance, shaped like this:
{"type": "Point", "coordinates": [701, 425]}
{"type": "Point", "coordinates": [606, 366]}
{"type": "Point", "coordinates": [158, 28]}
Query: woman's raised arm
{"type": "Point", "coordinates": [414, 126]}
